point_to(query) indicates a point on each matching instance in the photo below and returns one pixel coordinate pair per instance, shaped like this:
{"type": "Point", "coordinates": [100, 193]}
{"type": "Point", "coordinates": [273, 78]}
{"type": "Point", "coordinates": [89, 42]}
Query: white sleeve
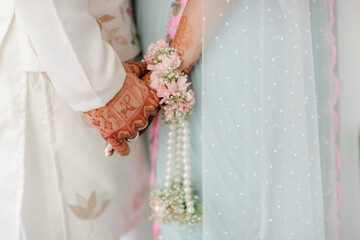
{"type": "Point", "coordinates": [84, 69]}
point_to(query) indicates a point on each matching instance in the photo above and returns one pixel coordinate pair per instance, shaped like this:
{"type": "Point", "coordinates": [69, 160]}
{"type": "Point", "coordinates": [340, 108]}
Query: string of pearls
{"type": "Point", "coordinates": [185, 143]}
{"type": "Point", "coordinates": [178, 159]}
{"type": "Point", "coordinates": [181, 147]}
{"type": "Point", "coordinates": [170, 156]}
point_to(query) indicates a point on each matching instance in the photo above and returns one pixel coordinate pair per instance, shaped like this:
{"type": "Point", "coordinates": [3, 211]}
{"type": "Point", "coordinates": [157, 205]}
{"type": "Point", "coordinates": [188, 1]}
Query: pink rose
{"type": "Point", "coordinates": [166, 63]}
{"type": "Point", "coordinates": [183, 108]}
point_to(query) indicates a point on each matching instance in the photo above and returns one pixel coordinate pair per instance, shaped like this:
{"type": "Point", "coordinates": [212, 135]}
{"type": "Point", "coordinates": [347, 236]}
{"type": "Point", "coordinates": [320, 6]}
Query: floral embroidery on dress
{"type": "Point", "coordinates": [118, 39]}
{"type": "Point", "coordinates": [117, 26]}
{"type": "Point", "coordinates": [103, 19]}
{"type": "Point", "coordinates": [91, 208]}
{"type": "Point", "coordinates": [112, 35]}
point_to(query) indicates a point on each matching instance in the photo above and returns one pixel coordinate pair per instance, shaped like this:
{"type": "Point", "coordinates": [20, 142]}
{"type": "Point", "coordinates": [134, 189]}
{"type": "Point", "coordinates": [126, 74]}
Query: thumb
{"type": "Point", "coordinates": [146, 78]}
{"type": "Point", "coordinates": [137, 68]}
{"type": "Point", "coordinates": [121, 147]}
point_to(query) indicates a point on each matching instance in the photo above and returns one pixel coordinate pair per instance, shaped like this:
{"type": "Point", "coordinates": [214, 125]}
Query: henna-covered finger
{"type": "Point", "coordinates": [151, 111]}
{"type": "Point", "coordinates": [146, 78]}
{"type": "Point", "coordinates": [137, 68]}
{"type": "Point", "coordinates": [120, 146]}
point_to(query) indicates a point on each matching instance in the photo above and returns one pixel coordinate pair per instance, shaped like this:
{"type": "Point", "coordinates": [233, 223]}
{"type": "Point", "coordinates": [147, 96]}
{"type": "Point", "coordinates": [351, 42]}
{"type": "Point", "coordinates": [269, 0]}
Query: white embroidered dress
{"type": "Point", "coordinates": [53, 172]}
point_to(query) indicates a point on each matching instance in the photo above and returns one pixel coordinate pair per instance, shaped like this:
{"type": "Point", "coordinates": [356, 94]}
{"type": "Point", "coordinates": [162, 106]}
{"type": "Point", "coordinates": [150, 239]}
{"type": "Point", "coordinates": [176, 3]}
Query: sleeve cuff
{"type": "Point", "coordinates": [100, 101]}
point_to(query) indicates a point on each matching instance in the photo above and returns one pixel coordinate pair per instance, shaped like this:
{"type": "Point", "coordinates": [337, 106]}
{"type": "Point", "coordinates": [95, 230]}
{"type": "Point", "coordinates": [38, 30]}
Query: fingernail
{"type": "Point", "coordinates": [108, 147]}
{"type": "Point", "coordinates": [109, 151]}
{"type": "Point", "coordinates": [109, 154]}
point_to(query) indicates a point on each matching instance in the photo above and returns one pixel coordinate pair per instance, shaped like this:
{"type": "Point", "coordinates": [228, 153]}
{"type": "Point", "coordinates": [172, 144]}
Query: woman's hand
{"type": "Point", "coordinates": [128, 112]}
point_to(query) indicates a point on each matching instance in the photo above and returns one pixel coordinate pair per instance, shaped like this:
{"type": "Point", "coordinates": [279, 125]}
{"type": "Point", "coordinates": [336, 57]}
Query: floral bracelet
{"type": "Point", "coordinates": [176, 200]}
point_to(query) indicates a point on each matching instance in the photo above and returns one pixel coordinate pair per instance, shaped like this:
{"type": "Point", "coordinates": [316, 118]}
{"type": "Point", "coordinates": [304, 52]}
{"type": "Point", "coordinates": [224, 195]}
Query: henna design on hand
{"type": "Point", "coordinates": [187, 69]}
{"type": "Point", "coordinates": [183, 37]}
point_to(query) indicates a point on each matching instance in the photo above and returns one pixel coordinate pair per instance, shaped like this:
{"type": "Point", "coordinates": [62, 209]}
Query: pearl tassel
{"type": "Point", "coordinates": [187, 167]}
{"type": "Point", "coordinates": [170, 145]}
{"type": "Point", "coordinates": [182, 147]}
{"type": "Point", "coordinates": [178, 161]}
